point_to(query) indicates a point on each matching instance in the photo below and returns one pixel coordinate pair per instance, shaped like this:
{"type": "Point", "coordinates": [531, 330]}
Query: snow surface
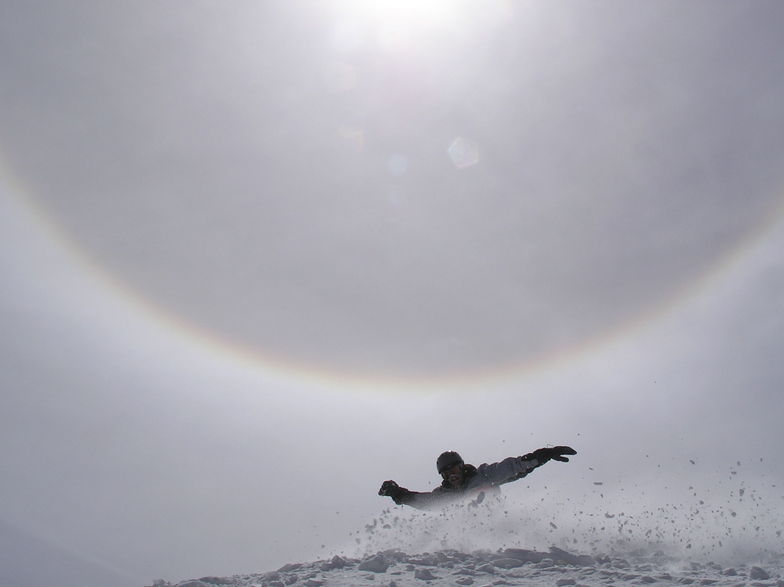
{"type": "Point", "coordinates": [504, 567]}
{"type": "Point", "coordinates": [686, 539]}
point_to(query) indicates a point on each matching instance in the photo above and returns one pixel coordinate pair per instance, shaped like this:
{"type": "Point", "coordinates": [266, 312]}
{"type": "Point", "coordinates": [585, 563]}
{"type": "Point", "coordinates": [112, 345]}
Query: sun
{"type": "Point", "coordinates": [411, 12]}
{"type": "Point", "coordinates": [401, 21]}
{"type": "Point", "coordinates": [400, 11]}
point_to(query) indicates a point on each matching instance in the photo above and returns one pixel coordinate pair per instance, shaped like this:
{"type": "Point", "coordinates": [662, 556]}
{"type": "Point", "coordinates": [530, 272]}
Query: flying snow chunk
{"type": "Point", "coordinates": [463, 152]}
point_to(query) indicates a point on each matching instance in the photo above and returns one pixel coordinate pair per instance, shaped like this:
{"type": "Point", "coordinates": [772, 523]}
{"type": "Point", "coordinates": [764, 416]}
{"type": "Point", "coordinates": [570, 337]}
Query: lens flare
{"type": "Point", "coordinates": [463, 152]}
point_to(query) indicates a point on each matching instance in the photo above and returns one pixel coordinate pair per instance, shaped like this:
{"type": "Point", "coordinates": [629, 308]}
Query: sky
{"type": "Point", "coordinates": [260, 257]}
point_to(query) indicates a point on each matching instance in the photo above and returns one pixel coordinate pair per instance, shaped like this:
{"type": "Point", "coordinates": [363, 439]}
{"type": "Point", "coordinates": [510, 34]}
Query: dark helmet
{"type": "Point", "coordinates": [447, 460]}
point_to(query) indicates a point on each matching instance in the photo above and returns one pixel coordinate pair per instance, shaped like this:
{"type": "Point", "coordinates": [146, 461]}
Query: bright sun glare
{"type": "Point", "coordinates": [405, 24]}
{"type": "Point", "coordinates": [400, 21]}
{"type": "Point", "coordinates": [403, 12]}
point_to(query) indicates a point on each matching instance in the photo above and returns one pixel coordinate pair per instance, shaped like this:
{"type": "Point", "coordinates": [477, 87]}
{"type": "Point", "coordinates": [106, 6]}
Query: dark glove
{"type": "Point", "coordinates": [556, 453]}
{"type": "Point", "coordinates": [390, 488]}
{"type": "Point", "coordinates": [393, 490]}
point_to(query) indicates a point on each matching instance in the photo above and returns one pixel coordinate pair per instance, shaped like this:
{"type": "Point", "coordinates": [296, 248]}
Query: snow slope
{"type": "Point", "coordinates": [505, 567]}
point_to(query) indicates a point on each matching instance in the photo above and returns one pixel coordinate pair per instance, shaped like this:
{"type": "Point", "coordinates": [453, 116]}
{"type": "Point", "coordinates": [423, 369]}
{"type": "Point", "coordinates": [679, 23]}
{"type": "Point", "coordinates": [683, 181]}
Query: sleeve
{"type": "Point", "coordinates": [510, 469]}
{"type": "Point", "coordinates": [421, 500]}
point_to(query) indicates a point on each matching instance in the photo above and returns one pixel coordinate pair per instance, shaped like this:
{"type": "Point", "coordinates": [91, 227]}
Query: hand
{"type": "Point", "coordinates": [389, 488]}
{"type": "Point", "coordinates": [556, 453]}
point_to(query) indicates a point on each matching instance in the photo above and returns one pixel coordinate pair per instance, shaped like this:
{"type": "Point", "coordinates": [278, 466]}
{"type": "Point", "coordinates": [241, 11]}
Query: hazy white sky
{"type": "Point", "coordinates": [258, 258]}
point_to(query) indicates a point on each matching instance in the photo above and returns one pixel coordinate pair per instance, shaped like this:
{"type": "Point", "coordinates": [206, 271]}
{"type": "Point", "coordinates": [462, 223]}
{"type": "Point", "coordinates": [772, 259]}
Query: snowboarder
{"type": "Point", "coordinates": [461, 480]}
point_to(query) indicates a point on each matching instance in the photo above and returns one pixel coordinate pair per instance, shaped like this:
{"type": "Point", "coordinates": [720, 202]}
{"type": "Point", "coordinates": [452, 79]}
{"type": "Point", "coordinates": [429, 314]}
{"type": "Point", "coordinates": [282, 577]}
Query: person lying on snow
{"type": "Point", "coordinates": [461, 480]}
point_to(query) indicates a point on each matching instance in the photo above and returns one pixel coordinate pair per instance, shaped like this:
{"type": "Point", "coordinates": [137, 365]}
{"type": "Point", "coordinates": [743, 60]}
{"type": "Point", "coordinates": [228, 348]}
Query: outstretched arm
{"type": "Point", "coordinates": [514, 468]}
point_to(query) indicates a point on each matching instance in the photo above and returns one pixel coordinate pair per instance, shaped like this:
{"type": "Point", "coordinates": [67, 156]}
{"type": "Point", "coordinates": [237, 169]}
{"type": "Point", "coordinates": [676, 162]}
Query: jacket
{"type": "Point", "coordinates": [478, 482]}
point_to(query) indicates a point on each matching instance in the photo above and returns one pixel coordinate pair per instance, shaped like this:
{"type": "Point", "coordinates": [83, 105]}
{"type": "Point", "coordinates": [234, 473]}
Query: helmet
{"type": "Point", "coordinates": [447, 460]}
